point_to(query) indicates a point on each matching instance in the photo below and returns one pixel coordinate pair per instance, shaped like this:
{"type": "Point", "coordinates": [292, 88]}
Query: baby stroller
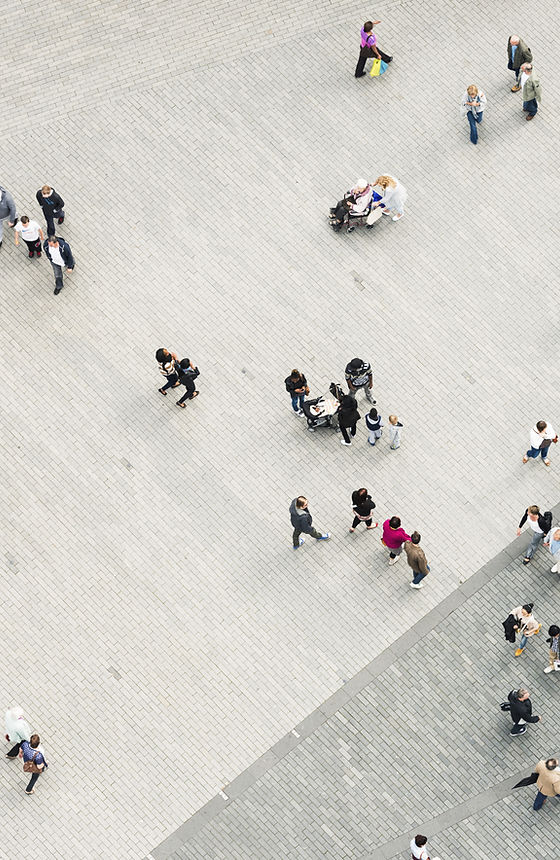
{"type": "Point", "coordinates": [368, 217]}
{"type": "Point", "coordinates": [321, 411]}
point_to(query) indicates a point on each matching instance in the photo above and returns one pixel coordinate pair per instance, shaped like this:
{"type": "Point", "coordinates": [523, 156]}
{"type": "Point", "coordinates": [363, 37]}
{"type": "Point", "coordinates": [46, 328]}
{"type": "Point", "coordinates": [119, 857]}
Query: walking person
{"type": "Point", "coordinates": [302, 520]}
{"type": "Point", "coordinates": [17, 730]}
{"type": "Point", "coordinates": [369, 48]}
{"type": "Point", "coordinates": [548, 781]}
{"type": "Point", "coordinates": [359, 377]}
{"type": "Point", "coordinates": [168, 367]}
{"type": "Point", "coordinates": [541, 437]}
{"type": "Point", "coordinates": [520, 708]}
{"type": "Point", "coordinates": [531, 91]}
{"type": "Point", "coordinates": [374, 425]}
{"type": "Point", "coordinates": [473, 105]}
{"type": "Point", "coordinates": [7, 211]}
{"type": "Point", "coordinates": [31, 234]}
{"type": "Point", "coordinates": [518, 53]}
{"type": "Point", "coordinates": [393, 538]}
{"type": "Point", "coordinates": [395, 429]}
{"type": "Point", "coordinates": [33, 761]}
{"type": "Point", "coordinates": [394, 196]}
{"type": "Point", "coordinates": [348, 417]}
{"type": "Point", "coordinates": [552, 542]}
{"type": "Point", "coordinates": [52, 205]}
{"type": "Point", "coordinates": [362, 506]}
{"type": "Point", "coordinates": [297, 388]}
{"type": "Point", "coordinates": [418, 848]}
{"type": "Point", "coordinates": [521, 620]}
{"type": "Point", "coordinates": [417, 560]}
{"type": "Point", "coordinates": [60, 256]}
{"type": "Point", "coordinates": [540, 525]}
{"type": "Point", "coordinates": [187, 375]}
{"type": "Point", "coordinates": [553, 643]}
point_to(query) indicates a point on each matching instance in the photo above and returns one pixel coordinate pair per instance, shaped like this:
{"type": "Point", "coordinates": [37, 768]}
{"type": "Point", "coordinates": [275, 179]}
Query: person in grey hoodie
{"type": "Point", "coordinates": [7, 211]}
{"type": "Point", "coordinates": [302, 520]}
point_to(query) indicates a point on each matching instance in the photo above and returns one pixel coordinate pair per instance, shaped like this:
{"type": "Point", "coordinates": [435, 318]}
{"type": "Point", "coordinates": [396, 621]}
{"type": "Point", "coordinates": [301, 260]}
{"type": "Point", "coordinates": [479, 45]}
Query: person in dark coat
{"type": "Point", "coordinates": [187, 375]}
{"type": "Point", "coordinates": [52, 205]}
{"type": "Point", "coordinates": [518, 54]}
{"type": "Point", "coordinates": [60, 256]}
{"type": "Point", "coordinates": [348, 417]}
{"type": "Point", "coordinates": [362, 506]}
{"type": "Point", "coordinates": [297, 388]}
{"type": "Point", "coordinates": [521, 711]}
{"type": "Point", "coordinates": [302, 520]}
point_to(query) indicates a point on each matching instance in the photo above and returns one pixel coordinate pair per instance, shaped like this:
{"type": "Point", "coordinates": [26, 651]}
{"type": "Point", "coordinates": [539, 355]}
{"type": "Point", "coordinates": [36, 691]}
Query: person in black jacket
{"type": "Point", "coordinates": [348, 417]}
{"type": "Point", "coordinates": [540, 525]}
{"type": "Point", "coordinates": [52, 205]}
{"type": "Point", "coordinates": [362, 506]}
{"type": "Point", "coordinates": [297, 388]}
{"type": "Point", "coordinates": [521, 711]}
{"type": "Point", "coordinates": [301, 519]}
{"type": "Point", "coordinates": [187, 375]}
{"type": "Point", "coordinates": [59, 254]}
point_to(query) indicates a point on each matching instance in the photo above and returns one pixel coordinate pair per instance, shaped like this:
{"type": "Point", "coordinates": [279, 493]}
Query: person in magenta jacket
{"type": "Point", "coordinates": [393, 538]}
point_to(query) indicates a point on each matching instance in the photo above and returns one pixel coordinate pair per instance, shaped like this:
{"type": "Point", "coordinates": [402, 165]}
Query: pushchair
{"type": "Point", "coordinates": [368, 217]}
{"type": "Point", "coordinates": [322, 411]}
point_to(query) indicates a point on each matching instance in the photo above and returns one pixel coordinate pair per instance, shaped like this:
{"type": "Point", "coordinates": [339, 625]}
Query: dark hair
{"type": "Point", "coordinates": [368, 26]}
{"type": "Point", "coordinates": [373, 412]}
{"type": "Point", "coordinates": [415, 537]}
{"type": "Point", "coordinates": [34, 741]}
{"type": "Point", "coordinates": [24, 219]}
{"type": "Point", "coordinates": [420, 840]}
{"type": "Point", "coordinates": [551, 763]}
{"type": "Point", "coordinates": [553, 630]}
{"type": "Point", "coordinates": [295, 372]}
{"type": "Point", "coordinates": [348, 402]}
{"type": "Point", "coordinates": [395, 522]}
{"type": "Point", "coordinates": [356, 363]}
{"type": "Point", "coordinates": [161, 355]}
{"type": "Point", "coordinates": [361, 491]}
{"type": "Point", "coordinates": [300, 501]}
{"type": "Point", "coordinates": [528, 607]}
{"type": "Point", "coordinates": [533, 509]}
{"type": "Point", "coordinates": [541, 425]}
{"type": "Point", "coordinates": [185, 363]}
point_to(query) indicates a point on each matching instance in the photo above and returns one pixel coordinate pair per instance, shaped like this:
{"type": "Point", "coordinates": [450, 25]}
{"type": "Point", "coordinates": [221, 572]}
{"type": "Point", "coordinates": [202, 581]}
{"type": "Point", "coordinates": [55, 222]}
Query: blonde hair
{"type": "Point", "coordinates": [393, 419]}
{"type": "Point", "coordinates": [46, 189]}
{"type": "Point", "coordinates": [385, 181]}
{"type": "Point", "coordinates": [472, 89]}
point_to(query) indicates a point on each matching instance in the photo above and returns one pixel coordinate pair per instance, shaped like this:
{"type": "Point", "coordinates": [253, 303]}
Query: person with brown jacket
{"type": "Point", "coordinates": [416, 560]}
{"type": "Point", "coordinates": [518, 53]}
{"type": "Point", "coordinates": [548, 782]}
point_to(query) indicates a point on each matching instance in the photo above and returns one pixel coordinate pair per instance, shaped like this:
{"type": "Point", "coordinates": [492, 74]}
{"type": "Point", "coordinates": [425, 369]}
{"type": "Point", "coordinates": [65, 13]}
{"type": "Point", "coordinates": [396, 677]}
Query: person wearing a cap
{"type": "Point", "coordinates": [359, 377]}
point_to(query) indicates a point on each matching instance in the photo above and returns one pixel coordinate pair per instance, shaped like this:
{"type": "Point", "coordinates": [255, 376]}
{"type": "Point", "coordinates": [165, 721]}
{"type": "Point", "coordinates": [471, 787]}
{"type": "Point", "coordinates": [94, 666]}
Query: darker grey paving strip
{"type": "Point", "coordinates": [341, 698]}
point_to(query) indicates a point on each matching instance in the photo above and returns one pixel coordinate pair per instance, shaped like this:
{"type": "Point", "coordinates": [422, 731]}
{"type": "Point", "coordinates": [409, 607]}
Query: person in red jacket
{"type": "Point", "coordinates": [393, 538]}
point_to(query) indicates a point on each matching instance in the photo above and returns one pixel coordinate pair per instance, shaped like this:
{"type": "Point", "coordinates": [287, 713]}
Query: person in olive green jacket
{"type": "Point", "coordinates": [518, 53]}
{"type": "Point", "coordinates": [531, 90]}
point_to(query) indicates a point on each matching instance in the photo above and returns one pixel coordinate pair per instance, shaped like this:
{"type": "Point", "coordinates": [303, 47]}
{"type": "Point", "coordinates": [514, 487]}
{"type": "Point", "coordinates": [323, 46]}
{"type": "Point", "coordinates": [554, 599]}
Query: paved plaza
{"type": "Point", "coordinates": [158, 628]}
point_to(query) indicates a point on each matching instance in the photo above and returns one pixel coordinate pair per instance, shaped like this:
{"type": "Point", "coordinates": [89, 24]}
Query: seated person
{"type": "Point", "coordinates": [356, 202]}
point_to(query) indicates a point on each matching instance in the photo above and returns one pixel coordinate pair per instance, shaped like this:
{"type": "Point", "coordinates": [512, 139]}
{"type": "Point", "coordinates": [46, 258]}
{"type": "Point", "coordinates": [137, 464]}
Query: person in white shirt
{"type": "Point", "coordinates": [473, 104]}
{"type": "Point", "coordinates": [540, 525]}
{"type": "Point", "coordinates": [418, 848]}
{"type": "Point", "coordinates": [59, 255]}
{"type": "Point", "coordinates": [31, 234]}
{"type": "Point", "coordinates": [542, 435]}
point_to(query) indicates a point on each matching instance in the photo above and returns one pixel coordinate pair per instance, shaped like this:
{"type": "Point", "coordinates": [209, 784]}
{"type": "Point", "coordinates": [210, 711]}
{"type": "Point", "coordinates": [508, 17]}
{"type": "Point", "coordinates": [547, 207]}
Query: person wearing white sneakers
{"type": "Point", "coordinates": [417, 560]}
{"type": "Point", "coordinates": [362, 506]}
{"type": "Point", "coordinates": [552, 541]}
{"type": "Point", "coordinates": [553, 649]}
{"type": "Point", "coordinates": [394, 196]}
{"type": "Point", "coordinates": [540, 526]}
{"type": "Point", "coordinates": [541, 438]}
{"type": "Point", "coordinates": [301, 520]}
{"type": "Point", "coordinates": [393, 538]}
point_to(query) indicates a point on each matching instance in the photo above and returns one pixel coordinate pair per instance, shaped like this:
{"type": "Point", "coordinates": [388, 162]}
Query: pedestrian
{"type": "Point", "coordinates": [521, 620]}
{"type": "Point", "coordinates": [548, 782]}
{"type": "Point", "coordinates": [395, 428]}
{"type": "Point", "coordinates": [553, 643]}
{"type": "Point", "coordinates": [359, 377]}
{"type": "Point", "coordinates": [348, 417]}
{"type": "Point", "coordinates": [168, 367]}
{"type": "Point", "coordinates": [374, 425]}
{"type": "Point", "coordinates": [473, 105]}
{"type": "Point", "coordinates": [52, 205]}
{"type": "Point", "coordinates": [60, 255]}
{"type": "Point", "coordinates": [302, 522]}
{"type": "Point", "coordinates": [17, 730]}
{"type": "Point", "coordinates": [394, 196]}
{"type": "Point", "coordinates": [31, 234]}
{"type": "Point", "coordinates": [369, 48]}
{"type": "Point", "coordinates": [531, 90]}
{"type": "Point", "coordinates": [518, 53]}
{"type": "Point", "coordinates": [187, 375]}
{"type": "Point", "coordinates": [393, 538]}
{"type": "Point", "coordinates": [7, 211]}
{"type": "Point", "coordinates": [418, 848]}
{"type": "Point", "coordinates": [33, 761]}
{"type": "Point", "coordinates": [362, 506]}
{"type": "Point", "coordinates": [520, 708]}
{"type": "Point", "coordinates": [297, 388]}
{"type": "Point", "coordinates": [552, 542]}
{"type": "Point", "coordinates": [540, 525]}
{"type": "Point", "coordinates": [416, 560]}
{"type": "Point", "coordinates": [541, 437]}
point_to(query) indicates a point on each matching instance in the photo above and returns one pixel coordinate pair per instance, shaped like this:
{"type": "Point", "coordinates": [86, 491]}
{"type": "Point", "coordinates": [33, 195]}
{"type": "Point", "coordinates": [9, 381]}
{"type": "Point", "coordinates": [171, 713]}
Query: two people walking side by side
{"type": "Point", "coordinates": [473, 105]}
{"type": "Point", "coordinates": [393, 538]}
{"type": "Point", "coordinates": [417, 560]}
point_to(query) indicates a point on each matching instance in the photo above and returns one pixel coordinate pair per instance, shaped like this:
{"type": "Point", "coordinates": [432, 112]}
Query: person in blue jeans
{"type": "Point", "coordinates": [297, 388]}
{"type": "Point", "coordinates": [540, 440]}
{"type": "Point", "coordinates": [32, 753]}
{"type": "Point", "coordinates": [548, 782]}
{"type": "Point", "coordinates": [472, 106]}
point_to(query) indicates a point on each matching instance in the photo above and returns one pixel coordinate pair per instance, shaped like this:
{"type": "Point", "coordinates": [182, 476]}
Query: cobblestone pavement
{"type": "Point", "coordinates": [171, 635]}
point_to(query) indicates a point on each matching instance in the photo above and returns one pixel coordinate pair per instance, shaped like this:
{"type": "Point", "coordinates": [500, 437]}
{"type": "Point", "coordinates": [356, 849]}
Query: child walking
{"type": "Point", "coordinates": [395, 427]}
{"type": "Point", "coordinates": [374, 425]}
{"type": "Point", "coordinates": [31, 234]}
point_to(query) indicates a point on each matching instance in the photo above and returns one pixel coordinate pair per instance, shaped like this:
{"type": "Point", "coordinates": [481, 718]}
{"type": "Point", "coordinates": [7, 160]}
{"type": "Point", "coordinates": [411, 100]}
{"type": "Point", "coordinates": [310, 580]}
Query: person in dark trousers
{"type": "Point", "coordinates": [518, 54]}
{"type": "Point", "coordinates": [548, 781]}
{"type": "Point", "coordinates": [369, 48]}
{"type": "Point", "coordinates": [168, 367]}
{"type": "Point", "coordinates": [540, 525]}
{"type": "Point", "coordinates": [187, 375]}
{"type": "Point", "coordinates": [362, 506]}
{"type": "Point", "coordinates": [416, 560]}
{"type": "Point", "coordinates": [374, 424]}
{"type": "Point", "coordinates": [31, 234]}
{"type": "Point", "coordinates": [52, 205]}
{"type": "Point", "coordinates": [297, 388]}
{"type": "Point", "coordinates": [348, 417]}
{"type": "Point", "coordinates": [359, 377]}
{"type": "Point", "coordinates": [60, 255]}
{"type": "Point", "coordinates": [7, 211]}
{"type": "Point", "coordinates": [35, 761]}
{"type": "Point", "coordinates": [302, 520]}
{"type": "Point", "coordinates": [521, 711]}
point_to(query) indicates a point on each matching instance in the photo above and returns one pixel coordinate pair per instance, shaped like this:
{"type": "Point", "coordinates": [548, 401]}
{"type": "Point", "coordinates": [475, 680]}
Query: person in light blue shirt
{"type": "Point", "coordinates": [552, 541]}
{"type": "Point", "coordinates": [518, 53]}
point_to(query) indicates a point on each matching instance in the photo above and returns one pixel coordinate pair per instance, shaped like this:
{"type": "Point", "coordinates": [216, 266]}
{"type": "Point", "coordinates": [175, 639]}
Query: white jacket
{"type": "Point", "coordinates": [466, 98]}
{"type": "Point", "coordinates": [537, 438]}
{"type": "Point", "coordinates": [17, 728]}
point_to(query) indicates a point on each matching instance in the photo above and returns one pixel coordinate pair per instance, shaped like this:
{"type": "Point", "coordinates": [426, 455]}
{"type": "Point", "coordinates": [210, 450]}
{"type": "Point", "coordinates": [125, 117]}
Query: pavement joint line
{"type": "Point", "coordinates": [339, 699]}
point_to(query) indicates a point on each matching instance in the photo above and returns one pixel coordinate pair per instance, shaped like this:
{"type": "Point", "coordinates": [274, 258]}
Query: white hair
{"type": "Point", "coordinates": [15, 713]}
{"type": "Point", "coordinates": [361, 183]}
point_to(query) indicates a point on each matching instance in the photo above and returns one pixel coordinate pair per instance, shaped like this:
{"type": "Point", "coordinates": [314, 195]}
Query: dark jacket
{"type": "Point", "coordinates": [545, 521]}
{"type": "Point", "coordinates": [509, 628]}
{"type": "Point", "coordinates": [362, 505]}
{"type": "Point", "coordinates": [521, 710]}
{"type": "Point", "coordinates": [348, 414]}
{"type": "Point", "coordinates": [65, 252]}
{"type": "Point", "coordinates": [522, 55]}
{"type": "Point", "coordinates": [51, 204]}
{"type": "Point", "coordinates": [291, 384]}
{"type": "Point", "coordinates": [301, 518]}
{"type": "Point", "coordinates": [361, 377]}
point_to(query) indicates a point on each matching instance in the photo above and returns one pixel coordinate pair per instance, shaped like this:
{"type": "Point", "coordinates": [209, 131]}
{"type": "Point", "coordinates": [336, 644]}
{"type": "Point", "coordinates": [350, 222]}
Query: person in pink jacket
{"type": "Point", "coordinates": [393, 538]}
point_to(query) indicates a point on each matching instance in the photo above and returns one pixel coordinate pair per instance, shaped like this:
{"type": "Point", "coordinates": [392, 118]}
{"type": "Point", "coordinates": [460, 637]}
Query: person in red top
{"type": "Point", "coordinates": [393, 538]}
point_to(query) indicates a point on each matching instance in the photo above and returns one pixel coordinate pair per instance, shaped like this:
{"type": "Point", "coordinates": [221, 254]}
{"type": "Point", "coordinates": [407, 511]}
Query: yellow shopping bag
{"type": "Point", "coordinates": [377, 68]}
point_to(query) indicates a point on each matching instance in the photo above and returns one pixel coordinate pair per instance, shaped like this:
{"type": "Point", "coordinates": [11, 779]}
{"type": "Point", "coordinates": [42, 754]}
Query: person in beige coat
{"type": "Point", "coordinates": [416, 560]}
{"type": "Point", "coordinates": [531, 90]}
{"type": "Point", "coordinates": [548, 782]}
{"type": "Point", "coordinates": [526, 624]}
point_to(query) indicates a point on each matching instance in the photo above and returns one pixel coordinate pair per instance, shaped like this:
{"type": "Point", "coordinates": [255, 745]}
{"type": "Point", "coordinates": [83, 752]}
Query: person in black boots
{"type": "Point", "coordinates": [52, 205]}
{"type": "Point", "coordinates": [60, 255]}
{"type": "Point", "coordinates": [369, 48]}
{"type": "Point", "coordinates": [187, 375]}
{"type": "Point", "coordinates": [521, 711]}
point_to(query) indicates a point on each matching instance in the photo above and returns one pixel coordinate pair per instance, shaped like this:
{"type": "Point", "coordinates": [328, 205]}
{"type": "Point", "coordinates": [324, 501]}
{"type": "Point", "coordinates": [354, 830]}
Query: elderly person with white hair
{"type": "Point", "coordinates": [531, 90]}
{"type": "Point", "coordinates": [17, 730]}
{"type": "Point", "coordinates": [394, 196]}
{"type": "Point", "coordinates": [518, 53]}
{"type": "Point", "coordinates": [355, 202]}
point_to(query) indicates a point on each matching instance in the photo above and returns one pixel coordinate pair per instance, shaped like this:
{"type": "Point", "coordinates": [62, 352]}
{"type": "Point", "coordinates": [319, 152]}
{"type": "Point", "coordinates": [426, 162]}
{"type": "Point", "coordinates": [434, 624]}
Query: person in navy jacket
{"type": "Point", "coordinates": [60, 257]}
{"type": "Point", "coordinates": [52, 205]}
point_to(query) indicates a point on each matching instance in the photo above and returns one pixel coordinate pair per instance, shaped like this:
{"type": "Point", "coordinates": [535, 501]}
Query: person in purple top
{"type": "Point", "coordinates": [30, 750]}
{"type": "Point", "coordinates": [369, 48]}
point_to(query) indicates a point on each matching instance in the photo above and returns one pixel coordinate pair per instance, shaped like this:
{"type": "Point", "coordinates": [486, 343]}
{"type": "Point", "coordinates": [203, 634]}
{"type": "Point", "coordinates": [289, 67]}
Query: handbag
{"type": "Point", "coordinates": [378, 68]}
{"type": "Point", "coordinates": [31, 767]}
